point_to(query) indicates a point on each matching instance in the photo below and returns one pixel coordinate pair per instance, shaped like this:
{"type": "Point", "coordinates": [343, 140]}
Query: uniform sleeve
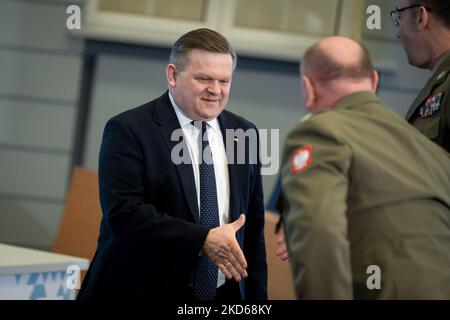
{"type": "Point", "coordinates": [315, 192]}
{"type": "Point", "coordinates": [446, 106]}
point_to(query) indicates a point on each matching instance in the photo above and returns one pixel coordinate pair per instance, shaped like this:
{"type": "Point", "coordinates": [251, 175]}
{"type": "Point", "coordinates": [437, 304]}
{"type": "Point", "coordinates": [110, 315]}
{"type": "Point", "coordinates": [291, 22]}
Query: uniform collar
{"type": "Point", "coordinates": [356, 99]}
{"type": "Point", "coordinates": [441, 61]}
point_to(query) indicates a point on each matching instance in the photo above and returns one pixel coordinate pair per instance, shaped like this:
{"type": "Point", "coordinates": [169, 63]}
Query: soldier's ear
{"type": "Point", "coordinates": [423, 18]}
{"type": "Point", "coordinates": [374, 79]}
{"type": "Point", "coordinates": [309, 93]}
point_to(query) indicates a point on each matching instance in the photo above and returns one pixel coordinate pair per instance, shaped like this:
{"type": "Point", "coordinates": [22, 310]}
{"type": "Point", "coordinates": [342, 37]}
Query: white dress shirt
{"type": "Point", "coordinates": [215, 138]}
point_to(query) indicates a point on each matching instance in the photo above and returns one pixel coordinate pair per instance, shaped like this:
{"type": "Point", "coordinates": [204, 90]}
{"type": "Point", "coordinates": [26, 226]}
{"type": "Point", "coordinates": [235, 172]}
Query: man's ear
{"type": "Point", "coordinates": [423, 18]}
{"type": "Point", "coordinates": [171, 74]}
{"type": "Point", "coordinates": [374, 79]}
{"type": "Point", "coordinates": [310, 92]}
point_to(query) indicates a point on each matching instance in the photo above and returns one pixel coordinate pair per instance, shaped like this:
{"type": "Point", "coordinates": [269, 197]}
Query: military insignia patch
{"type": "Point", "coordinates": [301, 159]}
{"type": "Point", "coordinates": [431, 105]}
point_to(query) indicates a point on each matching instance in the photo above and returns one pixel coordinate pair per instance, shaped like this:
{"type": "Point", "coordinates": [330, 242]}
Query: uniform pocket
{"type": "Point", "coordinates": [431, 128]}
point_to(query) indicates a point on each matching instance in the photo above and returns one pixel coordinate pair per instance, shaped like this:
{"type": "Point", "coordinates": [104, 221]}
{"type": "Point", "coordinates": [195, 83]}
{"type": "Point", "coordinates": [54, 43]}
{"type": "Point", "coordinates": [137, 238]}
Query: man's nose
{"type": "Point", "coordinates": [214, 87]}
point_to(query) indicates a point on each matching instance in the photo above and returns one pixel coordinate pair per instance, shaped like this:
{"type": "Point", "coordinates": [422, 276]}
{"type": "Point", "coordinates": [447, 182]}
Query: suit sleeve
{"type": "Point", "coordinates": [254, 244]}
{"type": "Point", "coordinates": [127, 216]}
{"type": "Point", "coordinates": [315, 214]}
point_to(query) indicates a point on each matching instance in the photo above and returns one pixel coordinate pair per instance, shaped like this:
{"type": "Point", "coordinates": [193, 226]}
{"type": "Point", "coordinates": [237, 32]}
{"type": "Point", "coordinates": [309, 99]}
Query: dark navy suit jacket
{"type": "Point", "coordinates": [150, 238]}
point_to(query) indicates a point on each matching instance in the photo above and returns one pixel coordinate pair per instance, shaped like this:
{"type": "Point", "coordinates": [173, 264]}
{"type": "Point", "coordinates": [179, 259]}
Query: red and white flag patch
{"type": "Point", "coordinates": [301, 159]}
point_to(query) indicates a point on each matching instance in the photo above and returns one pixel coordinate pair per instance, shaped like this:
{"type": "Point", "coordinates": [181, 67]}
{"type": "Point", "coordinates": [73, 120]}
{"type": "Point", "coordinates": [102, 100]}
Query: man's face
{"type": "Point", "coordinates": [407, 32]}
{"type": "Point", "coordinates": [201, 90]}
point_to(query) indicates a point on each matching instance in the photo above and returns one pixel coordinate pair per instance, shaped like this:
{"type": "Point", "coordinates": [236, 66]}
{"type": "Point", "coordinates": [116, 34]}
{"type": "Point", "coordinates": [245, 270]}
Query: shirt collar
{"type": "Point", "coordinates": [184, 120]}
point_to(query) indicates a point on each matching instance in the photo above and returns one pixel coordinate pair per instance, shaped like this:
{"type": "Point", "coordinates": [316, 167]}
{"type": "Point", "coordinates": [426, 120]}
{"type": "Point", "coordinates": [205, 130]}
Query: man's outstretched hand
{"type": "Point", "coordinates": [223, 249]}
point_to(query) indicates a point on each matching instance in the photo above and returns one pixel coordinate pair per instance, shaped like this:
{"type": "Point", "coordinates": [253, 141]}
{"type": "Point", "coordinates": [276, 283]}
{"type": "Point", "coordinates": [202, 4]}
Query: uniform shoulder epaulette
{"type": "Point", "coordinates": [305, 117]}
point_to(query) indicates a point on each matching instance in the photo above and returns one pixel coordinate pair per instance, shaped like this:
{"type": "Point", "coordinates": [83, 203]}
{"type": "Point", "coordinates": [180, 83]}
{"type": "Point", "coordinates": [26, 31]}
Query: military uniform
{"type": "Point", "coordinates": [430, 112]}
{"type": "Point", "coordinates": [361, 188]}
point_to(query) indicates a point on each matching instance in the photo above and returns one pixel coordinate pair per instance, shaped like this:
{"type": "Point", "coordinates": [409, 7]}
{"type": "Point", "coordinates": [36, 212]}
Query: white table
{"type": "Point", "coordinates": [27, 274]}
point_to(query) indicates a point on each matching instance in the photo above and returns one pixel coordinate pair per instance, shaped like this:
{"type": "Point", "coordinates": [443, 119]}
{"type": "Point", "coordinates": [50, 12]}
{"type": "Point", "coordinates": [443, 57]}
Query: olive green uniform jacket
{"type": "Point", "coordinates": [373, 193]}
{"type": "Point", "coordinates": [430, 112]}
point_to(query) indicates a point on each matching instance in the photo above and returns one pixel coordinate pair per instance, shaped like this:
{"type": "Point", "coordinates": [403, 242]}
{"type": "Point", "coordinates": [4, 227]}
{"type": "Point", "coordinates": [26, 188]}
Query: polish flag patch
{"type": "Point", "coordinates": [301, 159]}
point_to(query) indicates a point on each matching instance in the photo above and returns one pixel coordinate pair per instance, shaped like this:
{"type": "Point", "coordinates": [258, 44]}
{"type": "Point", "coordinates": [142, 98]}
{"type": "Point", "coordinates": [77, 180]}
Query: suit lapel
{"type": "Point", "coordinates": [168, 122]}
{"type": "Point", "coordinates": [234, 170]}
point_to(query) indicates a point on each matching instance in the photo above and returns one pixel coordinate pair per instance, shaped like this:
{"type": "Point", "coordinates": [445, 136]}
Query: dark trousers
{"type": "Point", "coordinates": [229, 291]}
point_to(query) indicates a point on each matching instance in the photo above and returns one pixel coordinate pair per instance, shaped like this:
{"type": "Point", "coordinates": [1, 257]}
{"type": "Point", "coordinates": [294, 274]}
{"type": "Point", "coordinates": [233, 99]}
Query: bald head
{"type": "Point", "coordinates": [334, 68]}
{"type": "Point", "coordinates": [337, 58]}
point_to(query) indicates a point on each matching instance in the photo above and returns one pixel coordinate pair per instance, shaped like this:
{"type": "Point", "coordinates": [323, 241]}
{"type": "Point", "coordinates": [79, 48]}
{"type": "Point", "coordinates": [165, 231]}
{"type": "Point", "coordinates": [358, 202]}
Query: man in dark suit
{"type": "Point", "coordinates": [183, 218]}
{"type": "Point", "coordinates": [424, 31]}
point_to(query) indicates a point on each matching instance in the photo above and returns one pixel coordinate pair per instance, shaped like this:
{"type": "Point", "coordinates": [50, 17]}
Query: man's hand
{"type": "Point", "coordinates": [282, 251]}
{"type": "Point", "coordinates": [224, 251]}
